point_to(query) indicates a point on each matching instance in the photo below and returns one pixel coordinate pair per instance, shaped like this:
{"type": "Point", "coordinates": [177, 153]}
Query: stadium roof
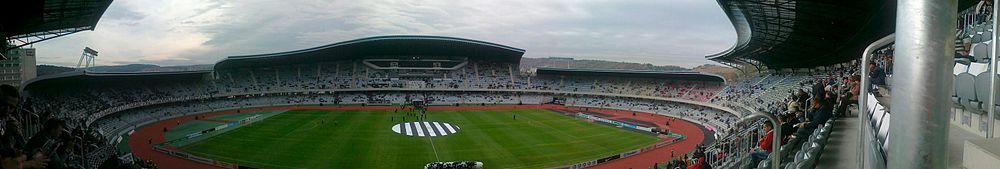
{"type": "Point", "coordinates": [27, 22]}
{"type": "Point", "coordinates": [804, 33]}
{"type": "Point", "coordinates": [80, 77]}
{"type": "Point", "coordinates": [678, 75]}
{"type": "Point", "coordinates": [398, 45]}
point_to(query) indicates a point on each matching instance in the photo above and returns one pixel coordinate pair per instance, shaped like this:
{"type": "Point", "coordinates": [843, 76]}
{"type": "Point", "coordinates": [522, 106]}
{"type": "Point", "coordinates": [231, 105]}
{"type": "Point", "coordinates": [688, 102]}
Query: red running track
{"type": "Point", "coordinates": [142, 140]}
{"type": "Point", "coordinates": [693, 137]}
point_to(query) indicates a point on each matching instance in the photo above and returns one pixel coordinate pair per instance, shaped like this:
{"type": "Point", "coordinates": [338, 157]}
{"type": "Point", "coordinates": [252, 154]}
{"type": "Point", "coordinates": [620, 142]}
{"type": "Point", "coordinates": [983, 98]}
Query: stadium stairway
{"type": "Point", "coordinates": [842, 147]}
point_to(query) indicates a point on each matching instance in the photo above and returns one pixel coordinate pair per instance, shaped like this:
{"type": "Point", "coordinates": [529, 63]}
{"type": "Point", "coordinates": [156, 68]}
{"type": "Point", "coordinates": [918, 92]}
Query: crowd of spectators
{"type": "Point", "coordinates": [707, 116]}
{"type": "Point", "coordinates": [41, 140]}
{"type": "Point", "coordinates": [803, 101]}
{"type": "Point", "coordinates": [350, 75]}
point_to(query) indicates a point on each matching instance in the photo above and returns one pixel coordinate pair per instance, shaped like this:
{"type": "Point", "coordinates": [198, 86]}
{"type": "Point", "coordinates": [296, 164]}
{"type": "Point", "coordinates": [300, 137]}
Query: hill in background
{"type": "Point", "coordinates": [148, 68]}
{"type": "Point", "coordinates": [727, 72]}
{"type": "Point", "coordinates": [43, 70]}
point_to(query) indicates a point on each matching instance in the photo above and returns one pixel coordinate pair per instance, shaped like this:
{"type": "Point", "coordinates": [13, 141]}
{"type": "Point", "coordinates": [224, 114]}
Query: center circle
{"type": "Point", "coordinates": [425, 129]}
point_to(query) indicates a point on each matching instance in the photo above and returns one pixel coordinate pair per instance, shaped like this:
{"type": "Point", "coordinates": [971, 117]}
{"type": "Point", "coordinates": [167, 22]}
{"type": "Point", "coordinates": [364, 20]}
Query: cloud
{"type": "Point", "coordinates": [677, 32]}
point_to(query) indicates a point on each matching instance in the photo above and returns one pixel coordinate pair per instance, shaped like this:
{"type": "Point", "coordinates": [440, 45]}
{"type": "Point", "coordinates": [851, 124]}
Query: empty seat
{"type": "Point", "coordinates": [828, 128]}
{"type": "Point", "coordinates": [982, 92]}
{"type": "Point", "coordinates": [785, 149]}
{"type": "Point", "coordinates": [996, 96]}
{"type": "Point", "coordinates": [820, 142]}
{"type": "Point", "coordinates": [790, 165]}
{"type": "Point", "coordinates": [764, 164]}
{"type": "Point", "coordinates": [824, 137]}
{"type": "Point", "coordinates": [978, 37]}
{"type": "Point", "coordinates": [883, 130]}
{"type": "Point", "coordinates": [816, 149]}
{"type": "Point", "coordinates": [966, 84]}
{"type": "Point", "coordinates": [872, 103]}
{"type": "Point", "coordinates": [959, 69]}
{"type": "Point", "coordinates": [808, 159]}
{"type": "Point", "coordinates": [981, 52]}
{"type": "Point", "coordinates": [877, 116]}
{"type": "Point", "coordinates": [800, 155]}
{"type": "Point", "coordinates": [885, 145]}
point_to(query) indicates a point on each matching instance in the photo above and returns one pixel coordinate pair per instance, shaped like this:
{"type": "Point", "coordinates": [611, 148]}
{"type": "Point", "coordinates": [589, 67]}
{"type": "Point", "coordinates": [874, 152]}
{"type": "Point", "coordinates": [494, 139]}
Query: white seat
{"type": "Point", "coordinates": [959, 68]}
{"type": "Point", "coordinates": [976, 68]}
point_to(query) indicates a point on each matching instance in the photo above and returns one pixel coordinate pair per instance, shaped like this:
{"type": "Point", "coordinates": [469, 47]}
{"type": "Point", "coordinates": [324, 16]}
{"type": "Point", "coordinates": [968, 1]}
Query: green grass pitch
{"type": "Point", "coordinates": [363, 139]}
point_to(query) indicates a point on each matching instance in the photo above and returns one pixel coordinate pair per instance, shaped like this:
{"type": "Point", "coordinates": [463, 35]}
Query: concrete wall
{"type": "Point", "coordinates": [972, 121]}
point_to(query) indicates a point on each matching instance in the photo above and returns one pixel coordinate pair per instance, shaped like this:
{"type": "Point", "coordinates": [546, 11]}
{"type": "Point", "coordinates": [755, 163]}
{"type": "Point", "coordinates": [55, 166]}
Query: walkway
{"type": "Point", "coordinates": [841, 151]}
{"type": "Point", "coordinates": [956, 144]}
{"type": "Point", "coordinates": [842, 148]}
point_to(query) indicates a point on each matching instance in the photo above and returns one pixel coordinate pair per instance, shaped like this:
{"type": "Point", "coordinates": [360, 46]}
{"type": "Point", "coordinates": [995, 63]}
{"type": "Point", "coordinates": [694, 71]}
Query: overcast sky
{"type": "Point", "coordinates": [185, 32]}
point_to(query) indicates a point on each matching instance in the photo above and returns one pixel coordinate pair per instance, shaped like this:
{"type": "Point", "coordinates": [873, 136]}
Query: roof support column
{"type": "Point", "coordinates": [922, 86]}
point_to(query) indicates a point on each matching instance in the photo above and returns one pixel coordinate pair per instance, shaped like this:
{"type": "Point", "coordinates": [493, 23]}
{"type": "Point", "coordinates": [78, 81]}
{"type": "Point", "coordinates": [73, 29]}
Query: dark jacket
{"type": "Point", "coordinates": [818, 90]}
{"type": "Point", "coordinates": [819, 116]}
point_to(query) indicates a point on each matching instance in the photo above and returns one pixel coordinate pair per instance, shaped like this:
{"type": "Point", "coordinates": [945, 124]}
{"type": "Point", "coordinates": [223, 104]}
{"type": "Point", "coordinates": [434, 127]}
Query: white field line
{"type": "Point", "coordinates": [434, 148]}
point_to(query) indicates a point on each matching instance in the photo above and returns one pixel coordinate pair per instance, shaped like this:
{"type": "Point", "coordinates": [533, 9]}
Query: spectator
{"type": "Point", "coordinates": [855, 89]}
{"type": "Point", "coordinates": [764, 146]}
{"type": "Point", "coordinates": [13, 137]}
{"type": "Point", "coordinates": [792, 104]}
{"type": "Point", "coordinates": [965, 53]}
{"type": "Point", "coordinates": [821, 112]}
{"type": "Point", "coordinates": [877, 76]}
{"type": "Point", "coordinates": [8, 105]}
{"type": "Point", "coordinates": [984, 10]}
{"type": "Point", "coordinates": [788, 122]}
{"type": "Point", "coordinates": [818, 88]}
{"type": "Point", "coordinates": [45, 141]}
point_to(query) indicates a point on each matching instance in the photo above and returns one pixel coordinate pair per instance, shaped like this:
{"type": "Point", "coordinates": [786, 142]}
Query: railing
{"type": "Point", "coordinates": [863, 105]}
{"type": "Point", "coordinates": [718, 130]}
{"type": "Point", "coordinates": [194, 158]}
{"type": "Point", "coordinates": [736, 148]}
{"type": "Point", "coordinates": [95, 158]}
{"type": "Point", "coordinates": [591, 163]}
{"type": "Point", "coordinates": [729, 150]}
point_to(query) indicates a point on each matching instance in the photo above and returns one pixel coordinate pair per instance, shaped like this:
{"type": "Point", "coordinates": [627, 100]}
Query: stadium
{"type": "Point", "coordinates": [806, 96]}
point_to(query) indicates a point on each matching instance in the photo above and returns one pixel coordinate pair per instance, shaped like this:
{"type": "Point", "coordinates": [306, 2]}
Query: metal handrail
{"type": "Point", "coordinates": [863, 98]}
{"type": "Point", "coordinates": [775, 134]}
{"type": "Point", "coordinates": [991, 107]}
